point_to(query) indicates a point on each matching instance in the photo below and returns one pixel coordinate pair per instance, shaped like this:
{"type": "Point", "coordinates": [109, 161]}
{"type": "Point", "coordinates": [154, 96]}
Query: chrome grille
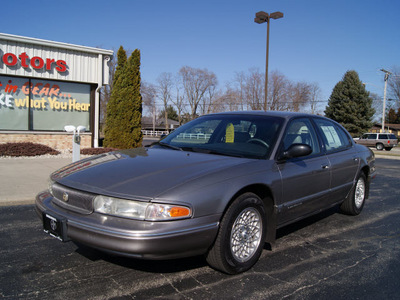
{"type": "Point", "coordinates": [71, 199]}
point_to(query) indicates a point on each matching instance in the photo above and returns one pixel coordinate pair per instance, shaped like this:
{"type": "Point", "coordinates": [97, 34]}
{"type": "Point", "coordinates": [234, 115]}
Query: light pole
{"type": "Point", "coordinates": [387, 73]}
{"type": "Point", "coordinates": [262, 17]}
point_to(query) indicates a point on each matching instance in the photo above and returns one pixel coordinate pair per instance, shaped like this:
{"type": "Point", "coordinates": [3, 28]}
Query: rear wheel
{"type": "Point", "coordinates": [241, 236]}
{"type": "Point", "coordinates": [379, 146]}
{"type": "Point", "coordinates": [354, 204]}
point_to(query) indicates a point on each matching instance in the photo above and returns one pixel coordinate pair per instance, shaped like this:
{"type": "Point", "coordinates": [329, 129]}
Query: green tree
{"type": "Point", "coordinates": [351, 105]}
{"type": "Point", "coordinates": [124, 110]}
{"type": "Point", "coordinates": [172, 114]}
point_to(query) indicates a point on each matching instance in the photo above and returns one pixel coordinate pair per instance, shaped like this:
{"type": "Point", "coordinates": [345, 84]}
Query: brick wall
{"type": "Point", "coordinates": [55, 140]}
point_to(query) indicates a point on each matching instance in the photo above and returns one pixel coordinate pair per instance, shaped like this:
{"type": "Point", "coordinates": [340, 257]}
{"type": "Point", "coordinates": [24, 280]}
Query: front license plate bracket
{"type": "Point", "coordinates": [55, 226]}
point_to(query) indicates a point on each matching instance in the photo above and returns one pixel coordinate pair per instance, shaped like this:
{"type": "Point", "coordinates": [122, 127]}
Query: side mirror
{"type": "Point", "coordinates": [296, 150]}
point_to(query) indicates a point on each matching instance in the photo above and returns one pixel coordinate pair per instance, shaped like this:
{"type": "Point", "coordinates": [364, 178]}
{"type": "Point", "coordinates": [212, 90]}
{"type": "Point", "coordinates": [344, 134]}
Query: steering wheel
{"type": "Point", "coordinates": [258, 141]}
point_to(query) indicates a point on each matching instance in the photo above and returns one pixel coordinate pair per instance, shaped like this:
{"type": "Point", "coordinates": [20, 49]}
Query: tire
{"type": "Point", "coordinates": [354, 204]}
{"type": "Point", "coordinates": [388, 148]}
{"type": "Point", "coordinates": [241, 236]}
{"type": "Point", "coordinates": [379, 147]}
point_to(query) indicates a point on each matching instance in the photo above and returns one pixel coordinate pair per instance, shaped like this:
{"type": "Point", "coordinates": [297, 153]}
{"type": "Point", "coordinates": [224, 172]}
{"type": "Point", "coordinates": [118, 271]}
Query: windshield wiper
{"type": "Point", "coordinates": [167, 146]}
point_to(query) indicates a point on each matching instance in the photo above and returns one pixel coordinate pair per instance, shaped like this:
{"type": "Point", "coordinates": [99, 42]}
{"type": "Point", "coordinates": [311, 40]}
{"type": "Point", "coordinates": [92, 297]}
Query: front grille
{"type": "Point", "coordinates": [71, 199]}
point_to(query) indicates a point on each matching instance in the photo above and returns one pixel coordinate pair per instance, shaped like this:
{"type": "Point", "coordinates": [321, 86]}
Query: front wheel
{"type": "Point", "coordinates": [354, 204]}
{"type": "Point", "coordinates": [241, 236]}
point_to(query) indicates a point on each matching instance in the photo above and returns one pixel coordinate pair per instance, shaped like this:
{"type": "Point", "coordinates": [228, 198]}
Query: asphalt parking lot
{"type": "Point", "coordinates": [328, 256]}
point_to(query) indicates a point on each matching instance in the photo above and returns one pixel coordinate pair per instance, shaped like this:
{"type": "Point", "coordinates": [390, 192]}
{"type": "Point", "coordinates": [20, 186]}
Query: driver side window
{"type": "Point", "coordinates": [301, 131]}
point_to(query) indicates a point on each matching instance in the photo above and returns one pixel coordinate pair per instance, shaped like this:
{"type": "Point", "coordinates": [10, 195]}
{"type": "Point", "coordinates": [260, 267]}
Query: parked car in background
{"type": "Point", "coordinates": [219, 185]}
{"type": "Point", "coordinates": [378, 140]}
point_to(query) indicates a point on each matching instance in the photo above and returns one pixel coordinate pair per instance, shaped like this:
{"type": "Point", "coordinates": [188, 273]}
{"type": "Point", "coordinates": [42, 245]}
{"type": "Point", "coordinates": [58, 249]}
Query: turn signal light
{"type": "Point", "coordinates": [179, 212]}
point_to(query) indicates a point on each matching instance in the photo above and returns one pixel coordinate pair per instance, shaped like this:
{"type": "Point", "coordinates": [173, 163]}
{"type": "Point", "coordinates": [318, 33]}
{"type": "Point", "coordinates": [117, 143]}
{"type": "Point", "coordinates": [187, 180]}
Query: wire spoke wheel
{"type": "Point", "coordinates": [359, 195]}
{"type": "Point", "coordinates": [246, 234]}
{"type": "Point", "coordinates": [241, 236]}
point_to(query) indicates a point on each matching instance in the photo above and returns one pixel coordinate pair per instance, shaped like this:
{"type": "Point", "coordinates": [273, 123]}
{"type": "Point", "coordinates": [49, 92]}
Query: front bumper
{"type": "Point", "coordinates": [141, 239]}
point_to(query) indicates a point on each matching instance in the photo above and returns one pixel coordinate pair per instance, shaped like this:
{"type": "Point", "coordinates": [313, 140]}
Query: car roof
{"type": "Point", "coordinates": [281, 114]}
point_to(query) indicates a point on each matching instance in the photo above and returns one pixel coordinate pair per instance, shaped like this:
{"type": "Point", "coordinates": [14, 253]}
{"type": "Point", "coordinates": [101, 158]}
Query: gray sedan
{"type": "Point", "coordinates": [219, 185]}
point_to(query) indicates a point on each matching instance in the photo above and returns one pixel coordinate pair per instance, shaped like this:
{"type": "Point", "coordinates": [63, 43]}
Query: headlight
{"type": "Point", "coordinates": [140, 210]}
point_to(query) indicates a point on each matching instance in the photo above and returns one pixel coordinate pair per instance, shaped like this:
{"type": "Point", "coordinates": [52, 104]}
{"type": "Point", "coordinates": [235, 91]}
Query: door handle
{"type": "Point", "coordinates": [325, 167]}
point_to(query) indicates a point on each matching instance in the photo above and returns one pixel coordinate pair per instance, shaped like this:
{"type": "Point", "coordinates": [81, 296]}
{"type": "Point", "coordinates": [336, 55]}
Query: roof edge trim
{"type": "Point", "coordinates": [22, 39]}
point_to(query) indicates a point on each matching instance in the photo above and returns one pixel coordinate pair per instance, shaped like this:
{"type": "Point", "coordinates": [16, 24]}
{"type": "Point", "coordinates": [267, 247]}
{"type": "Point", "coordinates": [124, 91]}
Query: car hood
{"type": "Point", "coordinates": [142, 173]}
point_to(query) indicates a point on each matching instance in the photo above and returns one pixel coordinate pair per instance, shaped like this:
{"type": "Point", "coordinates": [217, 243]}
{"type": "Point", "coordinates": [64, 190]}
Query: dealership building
{"type": "Point", "coordinates": [46, 85]}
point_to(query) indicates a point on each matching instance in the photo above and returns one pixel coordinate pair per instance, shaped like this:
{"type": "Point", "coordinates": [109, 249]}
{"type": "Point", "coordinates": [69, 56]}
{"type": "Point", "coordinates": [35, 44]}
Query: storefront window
{"type": "Point", "coordinates": [32, 104]}
{"type": "Point", "coordinates": [13, 104]}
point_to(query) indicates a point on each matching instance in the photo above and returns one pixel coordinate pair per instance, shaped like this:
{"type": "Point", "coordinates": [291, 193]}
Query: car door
{"type": "Point", "coordinates": [343, 158]}
{"type": "Point", "coordinates": [305, 180]}
{"type": "Point", "coordinates": [371, 140]}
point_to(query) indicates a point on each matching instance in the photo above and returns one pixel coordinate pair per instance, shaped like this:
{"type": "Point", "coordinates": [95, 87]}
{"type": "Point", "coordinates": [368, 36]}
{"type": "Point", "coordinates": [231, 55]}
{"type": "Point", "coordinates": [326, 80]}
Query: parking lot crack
{"type": "Point", "coordinates": [174, 287]}
{"type": "Point", "coordinates": [328, 277]}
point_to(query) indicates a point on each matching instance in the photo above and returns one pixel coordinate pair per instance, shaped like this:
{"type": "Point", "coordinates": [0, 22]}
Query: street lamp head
{"type": "Point", "coordinates": [276, 15]}
{"type": "Point", "coordinates": [261, 17]}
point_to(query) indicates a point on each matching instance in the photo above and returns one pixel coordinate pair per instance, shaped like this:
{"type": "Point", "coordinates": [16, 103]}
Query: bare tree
{"type": "Point", "coordinates": [179, 103]}
{"type": "Point", "coordinates": [149, 94]}
{"type": "Point", "coordinates": [234, 98]}
{"type": "Point", "coordinates": [208, 100]}
{"type": "Point", "coordinates": [254, 89]}
{"type": "Point", "coordinates": [315, 94]}
{"type": "Point", "coordinates": [278, 91]}
{"type": "Point", "coordinates": [394, 83]}
{"type": "Point", "coordinates": [299, 94]}
{"type": "Point", "coordinates": [165, 84]}
{"type": "Point", "coordinates": [240, 79]}
{"type": "Point", "coordinates": [196, 82]}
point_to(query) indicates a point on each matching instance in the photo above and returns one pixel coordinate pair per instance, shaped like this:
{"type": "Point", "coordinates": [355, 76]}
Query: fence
{"type": "Point", "coordinates": [154, 133]}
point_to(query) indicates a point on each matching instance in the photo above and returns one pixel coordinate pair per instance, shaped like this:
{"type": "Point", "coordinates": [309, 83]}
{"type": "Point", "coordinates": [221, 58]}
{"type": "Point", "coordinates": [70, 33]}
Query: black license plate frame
{"type": "Point", "coordinates": [55, 226]}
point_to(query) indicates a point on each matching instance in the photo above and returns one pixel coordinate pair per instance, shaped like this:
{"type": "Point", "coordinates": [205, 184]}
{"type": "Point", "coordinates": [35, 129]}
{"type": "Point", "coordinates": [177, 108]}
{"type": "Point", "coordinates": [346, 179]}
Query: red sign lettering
{"type": "Point", "coordinates": [36, 62]}
{"type": "Point", "coordinates": [9, 56]}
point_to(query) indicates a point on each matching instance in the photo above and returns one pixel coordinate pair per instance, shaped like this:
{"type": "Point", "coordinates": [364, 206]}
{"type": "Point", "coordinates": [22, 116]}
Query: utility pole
{"type": "Point", "coordinates": [387, 73]}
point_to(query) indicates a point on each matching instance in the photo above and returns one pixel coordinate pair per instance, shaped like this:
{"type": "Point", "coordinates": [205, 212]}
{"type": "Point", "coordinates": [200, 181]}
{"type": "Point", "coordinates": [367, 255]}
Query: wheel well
{"type": "Point", "coordinates": [266, 196]}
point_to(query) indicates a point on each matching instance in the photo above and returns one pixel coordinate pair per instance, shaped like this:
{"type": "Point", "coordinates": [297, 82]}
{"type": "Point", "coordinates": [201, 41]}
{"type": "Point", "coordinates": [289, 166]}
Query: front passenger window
{"type": "Point", "coordinates": [301, 131]}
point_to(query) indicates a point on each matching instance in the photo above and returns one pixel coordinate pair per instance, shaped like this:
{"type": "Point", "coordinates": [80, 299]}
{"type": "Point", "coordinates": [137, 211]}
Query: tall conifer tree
{"type": "Point", "coordinates": [124, 110]}
{"type": "Point", "coordinates": [351, 105]}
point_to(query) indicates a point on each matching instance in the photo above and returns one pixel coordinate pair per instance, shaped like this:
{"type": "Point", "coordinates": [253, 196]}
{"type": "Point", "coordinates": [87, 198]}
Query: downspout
{"type": "Point", "coordinates": [102, 74]}
{"type": "Point", "coordinates": [96, 116]}
{"type": "Point", "coordinates": [97, 101]}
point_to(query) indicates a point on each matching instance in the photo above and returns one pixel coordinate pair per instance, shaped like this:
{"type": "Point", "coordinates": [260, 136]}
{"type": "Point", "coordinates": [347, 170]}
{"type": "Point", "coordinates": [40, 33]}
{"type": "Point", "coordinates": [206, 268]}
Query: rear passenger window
{"type": "Point", "coordinates": [383, 136]}
{"type": "Point", "coordinates": [334, 137]}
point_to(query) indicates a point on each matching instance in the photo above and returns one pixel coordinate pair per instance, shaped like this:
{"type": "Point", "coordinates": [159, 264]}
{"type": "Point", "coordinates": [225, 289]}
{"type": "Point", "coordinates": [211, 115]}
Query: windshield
{"type": "Point", "coordinates": [246, 136]}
